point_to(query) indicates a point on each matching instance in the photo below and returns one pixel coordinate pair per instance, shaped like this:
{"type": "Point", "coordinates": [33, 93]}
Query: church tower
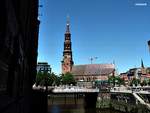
{"type": "Point", "coordinates": [67, 61]}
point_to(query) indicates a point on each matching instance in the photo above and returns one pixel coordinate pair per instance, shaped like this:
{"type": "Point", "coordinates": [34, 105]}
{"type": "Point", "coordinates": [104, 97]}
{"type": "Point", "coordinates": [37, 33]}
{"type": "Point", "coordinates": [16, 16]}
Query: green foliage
{"type": "Point", "coordinates": [53, 80]}
{"type": "Point", "coordinates": [148, 81]}
{"type": "Point", "coordinates": [40, 78]}
{"type": "Point", "coordinates": [144, 82]}
{"type": "Point", "coordinates": [116, 80]}
{"type": "Point", "coordinates": [68, 78]}
{"type": "Point", "coordinates": [57, 80]}
{"type": "Point", "coordinates": [135, 82]}
{"type": "Point", "coordinates": [111, 80]}
{"type": "Point", "coordinates": [50, 79]}
{"type": "Point", "coordinates": [44, 78]}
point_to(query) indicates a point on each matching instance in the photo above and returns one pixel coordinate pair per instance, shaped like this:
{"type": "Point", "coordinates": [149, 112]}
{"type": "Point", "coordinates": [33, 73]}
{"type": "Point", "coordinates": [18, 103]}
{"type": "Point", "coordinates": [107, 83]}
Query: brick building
{"type": "Point", "coordinates": [87, 73]}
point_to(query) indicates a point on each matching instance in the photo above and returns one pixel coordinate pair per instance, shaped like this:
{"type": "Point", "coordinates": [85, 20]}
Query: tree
{"type": "Point", "coordinates": [38, 78]}
{"type": "Point", "coordinates": [148, 81]}
{"type": "Point", "coordinates": [53, 79]}
{"type": "Point", "coordinates": [144, 82]}
{"type": "Point", "coordinates": [58, 80]}
{"type": "Point", "coordinates": [42, 78]}
{"type": "Point", "coordinates": [135, 82]}
{"type": "Point", "coordinates": [111, 80]}
{"type": "Point", "coordinates": [68, 78]}
{"type": "Point", "coordinates": [116, 80]}
{"type": "Point", "coordinates": [120, 81]}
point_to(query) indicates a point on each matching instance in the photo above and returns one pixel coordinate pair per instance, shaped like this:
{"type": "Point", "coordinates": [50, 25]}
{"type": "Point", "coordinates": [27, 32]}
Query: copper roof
{"type": "Point", "coordinates": [93, 69]}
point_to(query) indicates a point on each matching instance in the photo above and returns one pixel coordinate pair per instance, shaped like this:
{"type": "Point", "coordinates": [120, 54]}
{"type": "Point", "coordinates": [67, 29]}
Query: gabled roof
{"type": "Point", "coordinates": [93, 69]}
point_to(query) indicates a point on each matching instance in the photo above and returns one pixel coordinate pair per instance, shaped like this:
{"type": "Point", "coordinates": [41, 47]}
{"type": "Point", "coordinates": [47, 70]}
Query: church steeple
{"type": "Point", "coordinates": [142, 64]}
{"type": "Point", "coordinates": [68, 25]}
{"type": "Point", "coordinates": [67, 61]}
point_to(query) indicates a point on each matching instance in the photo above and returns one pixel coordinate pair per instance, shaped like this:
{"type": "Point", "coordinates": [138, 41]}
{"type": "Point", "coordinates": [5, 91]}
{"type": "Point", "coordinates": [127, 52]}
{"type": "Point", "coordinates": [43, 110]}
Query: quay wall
{"type": "Point", "coordinates": [123, 102]}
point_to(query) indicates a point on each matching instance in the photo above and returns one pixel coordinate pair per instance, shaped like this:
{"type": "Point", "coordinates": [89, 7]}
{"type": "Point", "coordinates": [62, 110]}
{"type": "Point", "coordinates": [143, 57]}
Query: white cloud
{"type": "Point", "coordinates": [141, 4]}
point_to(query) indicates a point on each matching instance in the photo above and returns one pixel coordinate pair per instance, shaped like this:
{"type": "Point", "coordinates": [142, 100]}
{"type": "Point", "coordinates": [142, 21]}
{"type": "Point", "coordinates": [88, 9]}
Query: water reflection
{"type": "Point", "coordinates": [68, 105]}
{"type": "Point", "coordinates": [55, 109]}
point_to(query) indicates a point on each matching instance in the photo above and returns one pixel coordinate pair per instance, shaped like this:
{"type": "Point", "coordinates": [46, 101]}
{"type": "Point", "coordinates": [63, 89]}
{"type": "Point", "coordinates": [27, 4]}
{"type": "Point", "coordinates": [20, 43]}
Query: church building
{"type": "Point", "coordinates": [85, 73]}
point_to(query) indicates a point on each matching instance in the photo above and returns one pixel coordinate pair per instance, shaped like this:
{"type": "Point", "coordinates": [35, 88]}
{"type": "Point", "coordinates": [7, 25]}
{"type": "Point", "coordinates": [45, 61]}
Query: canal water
{"type": "Point", "coordinates": [69, 105]}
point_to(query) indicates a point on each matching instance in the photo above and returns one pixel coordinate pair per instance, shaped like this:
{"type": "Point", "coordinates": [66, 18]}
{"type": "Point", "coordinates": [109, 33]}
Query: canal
{"type": "Point", "coordinates": [68, 105]}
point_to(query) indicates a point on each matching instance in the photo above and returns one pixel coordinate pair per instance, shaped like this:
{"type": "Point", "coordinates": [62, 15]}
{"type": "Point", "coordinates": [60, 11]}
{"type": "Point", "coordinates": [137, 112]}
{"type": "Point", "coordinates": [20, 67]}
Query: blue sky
{"type": "Point", "coordinates": [112, 30]}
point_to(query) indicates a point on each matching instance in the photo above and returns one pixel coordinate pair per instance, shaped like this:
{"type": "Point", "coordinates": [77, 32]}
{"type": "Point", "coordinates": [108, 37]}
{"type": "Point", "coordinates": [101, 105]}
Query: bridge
{"type": "Point", "coordinates": [89, 94]}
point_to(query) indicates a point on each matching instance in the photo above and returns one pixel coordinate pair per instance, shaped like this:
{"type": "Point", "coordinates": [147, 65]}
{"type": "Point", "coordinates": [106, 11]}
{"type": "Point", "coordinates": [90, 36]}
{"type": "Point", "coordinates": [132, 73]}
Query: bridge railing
{"type": "Point", "coordinates": [66, 89]}
{"type": "Point", "coordinates": [73, 89]}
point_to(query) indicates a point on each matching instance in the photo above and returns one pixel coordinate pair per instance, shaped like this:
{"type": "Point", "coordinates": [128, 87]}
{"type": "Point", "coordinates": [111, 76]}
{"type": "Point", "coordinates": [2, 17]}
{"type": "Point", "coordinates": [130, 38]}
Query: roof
{"type": "Point", "coordinates": [146, 75]}
{"type": "Point", "coordinates": [42, 63]}
{"type": "Point", "coordinates": [93, 69]}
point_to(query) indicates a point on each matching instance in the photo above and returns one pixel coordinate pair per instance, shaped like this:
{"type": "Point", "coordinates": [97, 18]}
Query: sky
{"type": "Point", "coordinates": [114, 31]}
